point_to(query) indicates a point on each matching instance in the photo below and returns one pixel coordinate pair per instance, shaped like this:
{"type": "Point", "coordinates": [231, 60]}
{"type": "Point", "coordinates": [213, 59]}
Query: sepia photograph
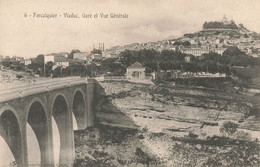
{"type": "Point", "coordinates": [130, 83]}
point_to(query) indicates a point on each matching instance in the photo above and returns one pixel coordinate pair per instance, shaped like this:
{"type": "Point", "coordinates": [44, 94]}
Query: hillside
{"type": "Point", "coordinates": [215, 36]}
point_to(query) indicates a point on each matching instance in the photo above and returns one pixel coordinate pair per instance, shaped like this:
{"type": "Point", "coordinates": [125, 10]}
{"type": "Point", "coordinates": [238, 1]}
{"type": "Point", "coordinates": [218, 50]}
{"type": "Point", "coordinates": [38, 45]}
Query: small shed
{"type": "Point", "coordinates": [135, 71]}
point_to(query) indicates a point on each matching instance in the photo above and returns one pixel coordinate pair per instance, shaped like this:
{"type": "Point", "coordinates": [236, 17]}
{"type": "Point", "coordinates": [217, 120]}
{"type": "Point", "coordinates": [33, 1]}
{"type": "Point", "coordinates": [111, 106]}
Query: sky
{"type": "Point", "coordinates": [148, 20]}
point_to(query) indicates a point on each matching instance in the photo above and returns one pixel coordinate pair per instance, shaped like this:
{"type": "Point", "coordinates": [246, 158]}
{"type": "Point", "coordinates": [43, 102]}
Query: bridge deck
{"type": "Point", "coordinates": [20, 89]}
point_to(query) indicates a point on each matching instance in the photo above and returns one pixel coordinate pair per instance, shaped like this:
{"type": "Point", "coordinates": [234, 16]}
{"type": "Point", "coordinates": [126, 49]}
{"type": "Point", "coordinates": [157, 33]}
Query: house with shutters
{"type": "Point", "coordinates": [136, 71]}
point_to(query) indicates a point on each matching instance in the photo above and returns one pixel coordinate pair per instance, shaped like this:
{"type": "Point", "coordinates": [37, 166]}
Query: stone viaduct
{"type": "Point", "coordinates": [37, 105]}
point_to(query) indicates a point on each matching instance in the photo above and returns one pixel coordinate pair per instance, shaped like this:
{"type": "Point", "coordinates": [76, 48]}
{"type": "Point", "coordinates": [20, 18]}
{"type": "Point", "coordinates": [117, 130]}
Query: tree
{"type": "Point", "coordinates": [128, 57]}
{"type": "Point", "coordinates": [40, 60]}
{"type": "Point", "coordinates": [72, 53]}
{"type": "Point", "coordinates": [232, 51]}
{"type": "Point", "coordinates": [186, 44]}
{"type": "Point", "coordinates": [192, 67]}
{"type": "Point", "coordinates": [89, 70]}
{"type": "Point", "coordinates": [177, 43]}
{"type": "Point", "coordinates": [48, 68]}
{"type": "Point", "coordinates": [211, 57]}
{"type": "Point", "coordinates": [219, 25]}
{"type": "Point", "coordinates": [205, 25]}
{"type": "Point", "coordinates": [19, 76]}
{"type": "Point", "coordinates": [228, 128]}
{"type": "Point", "coordinates": [96, 51]}
{"type": "Point", "coordinates": [235, 57]}
{"type": "Point", "coordinates": [246, 36]}
{"type": "Point", "coordinates": [6, 63]}
{"type": "Point", "coordinates": [19, 67]}
{"type": "Point", "coordinates": [57, 72]}
{"type": "Point", "coordinates": [33, 66]}
{"type": "Point", "coordinates": [172, 56]}
{"type": "Point", "coordinates": [112, 66]}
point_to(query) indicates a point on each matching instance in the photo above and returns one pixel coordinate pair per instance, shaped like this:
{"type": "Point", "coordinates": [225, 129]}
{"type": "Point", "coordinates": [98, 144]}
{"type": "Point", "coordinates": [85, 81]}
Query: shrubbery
{"type": "Point", "coordinates": [228, 128]}
{"type": "Point", "coordinates": [219, 25]}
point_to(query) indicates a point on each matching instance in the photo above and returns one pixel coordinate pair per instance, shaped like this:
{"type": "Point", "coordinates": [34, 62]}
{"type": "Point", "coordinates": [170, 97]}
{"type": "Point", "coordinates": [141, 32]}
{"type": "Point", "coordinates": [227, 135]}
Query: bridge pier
{"type": "Point", "coordinates": [49, 154]}
{"type": "Point", "coordinates": [71, 156]}
{"type": "Point", "coordinates": [38, 107]}
{"type": "Point", "coordinates": [14, 135]}
{"type": "Point", "coordinates": [24, 154]}
{"type": "Point", "coordinates": [90, 96]}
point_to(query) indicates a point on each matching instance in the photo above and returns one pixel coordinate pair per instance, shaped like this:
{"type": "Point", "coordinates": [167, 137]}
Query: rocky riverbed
{"type": "Point", "coordinates": [159, 125]}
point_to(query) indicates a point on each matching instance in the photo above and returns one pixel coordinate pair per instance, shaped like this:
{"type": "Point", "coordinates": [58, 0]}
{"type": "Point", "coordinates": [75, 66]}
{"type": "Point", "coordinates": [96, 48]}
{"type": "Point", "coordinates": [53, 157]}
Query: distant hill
{"type": "Point", "coordinates": [225, 32]}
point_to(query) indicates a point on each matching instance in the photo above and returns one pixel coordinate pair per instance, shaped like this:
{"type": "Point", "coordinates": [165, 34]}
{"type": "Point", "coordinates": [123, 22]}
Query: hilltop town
{"type": "Point", "coordinates": [215, 36]}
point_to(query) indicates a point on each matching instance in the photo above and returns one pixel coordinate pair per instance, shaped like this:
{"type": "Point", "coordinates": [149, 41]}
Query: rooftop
{"type": "Point", "coordinates": [136, 65]}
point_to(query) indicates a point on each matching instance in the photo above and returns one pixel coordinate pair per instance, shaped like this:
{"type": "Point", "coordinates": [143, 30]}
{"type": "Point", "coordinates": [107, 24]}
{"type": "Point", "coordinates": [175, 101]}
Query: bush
{"type": "Point", "coordinates": [145, 129]}
{"type": "Point", "coordinates": [141, 136]}
{"type": "Point", "coordinates": [254, 112]}
{"type": "Point", "coordinates": [243, 136]}
{"type": "Point", "coordinates": [19, 76]}
{"type": "Point", "coordinates": [192, 135]}
{"type": "Point", "coordinates": [142, 157]}
{"type": "Point", "coordinates": [228, 128]}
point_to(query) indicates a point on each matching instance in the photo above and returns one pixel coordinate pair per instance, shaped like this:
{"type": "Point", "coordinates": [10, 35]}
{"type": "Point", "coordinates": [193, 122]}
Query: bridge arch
{"type": "Point", "coordinates": [10, 130]}
{"type": "Point", "coordinates": [62, 117]}
{"type": "Point", "coordinates": [79, 108]}
{"type": "Point", "coordinates": [37, 118]}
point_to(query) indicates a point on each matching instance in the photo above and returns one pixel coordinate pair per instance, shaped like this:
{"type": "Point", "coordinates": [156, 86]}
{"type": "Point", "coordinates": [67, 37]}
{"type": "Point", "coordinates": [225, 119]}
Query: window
{"type": "Point", "coordinates": [135, 74]}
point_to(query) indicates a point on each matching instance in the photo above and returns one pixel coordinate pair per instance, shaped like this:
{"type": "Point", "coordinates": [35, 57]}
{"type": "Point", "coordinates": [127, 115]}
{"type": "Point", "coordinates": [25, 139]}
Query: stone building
{"type": "Point", "coordinates": [80, 55]}
{"type": "Point", "coordinates": [27, 62]}
{"type": "Point", "coordinates": [135, 71]}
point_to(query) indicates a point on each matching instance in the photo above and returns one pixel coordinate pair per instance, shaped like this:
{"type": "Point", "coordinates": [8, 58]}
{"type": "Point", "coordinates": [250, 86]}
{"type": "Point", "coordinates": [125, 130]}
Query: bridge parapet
{"type": "Point", "coordinates": [23, 91]}
{"type": "Point", "coordinates": [7, 87]}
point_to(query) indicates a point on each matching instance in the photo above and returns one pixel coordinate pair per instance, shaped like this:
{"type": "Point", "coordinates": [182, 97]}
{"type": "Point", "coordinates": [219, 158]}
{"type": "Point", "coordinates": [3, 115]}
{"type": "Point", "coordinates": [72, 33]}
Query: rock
{"type": "Point", "coordinates": [198, 146]}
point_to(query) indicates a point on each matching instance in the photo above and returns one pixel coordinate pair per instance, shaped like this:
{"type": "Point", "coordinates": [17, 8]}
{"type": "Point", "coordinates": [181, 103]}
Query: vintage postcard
{"type": "Point", "coordinates": [95, 83]}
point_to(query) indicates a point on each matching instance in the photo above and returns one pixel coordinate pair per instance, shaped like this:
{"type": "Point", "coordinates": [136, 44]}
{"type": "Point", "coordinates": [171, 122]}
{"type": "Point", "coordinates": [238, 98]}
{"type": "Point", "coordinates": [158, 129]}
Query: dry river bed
{"type": "Point", "coordinates": [174, 127]}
